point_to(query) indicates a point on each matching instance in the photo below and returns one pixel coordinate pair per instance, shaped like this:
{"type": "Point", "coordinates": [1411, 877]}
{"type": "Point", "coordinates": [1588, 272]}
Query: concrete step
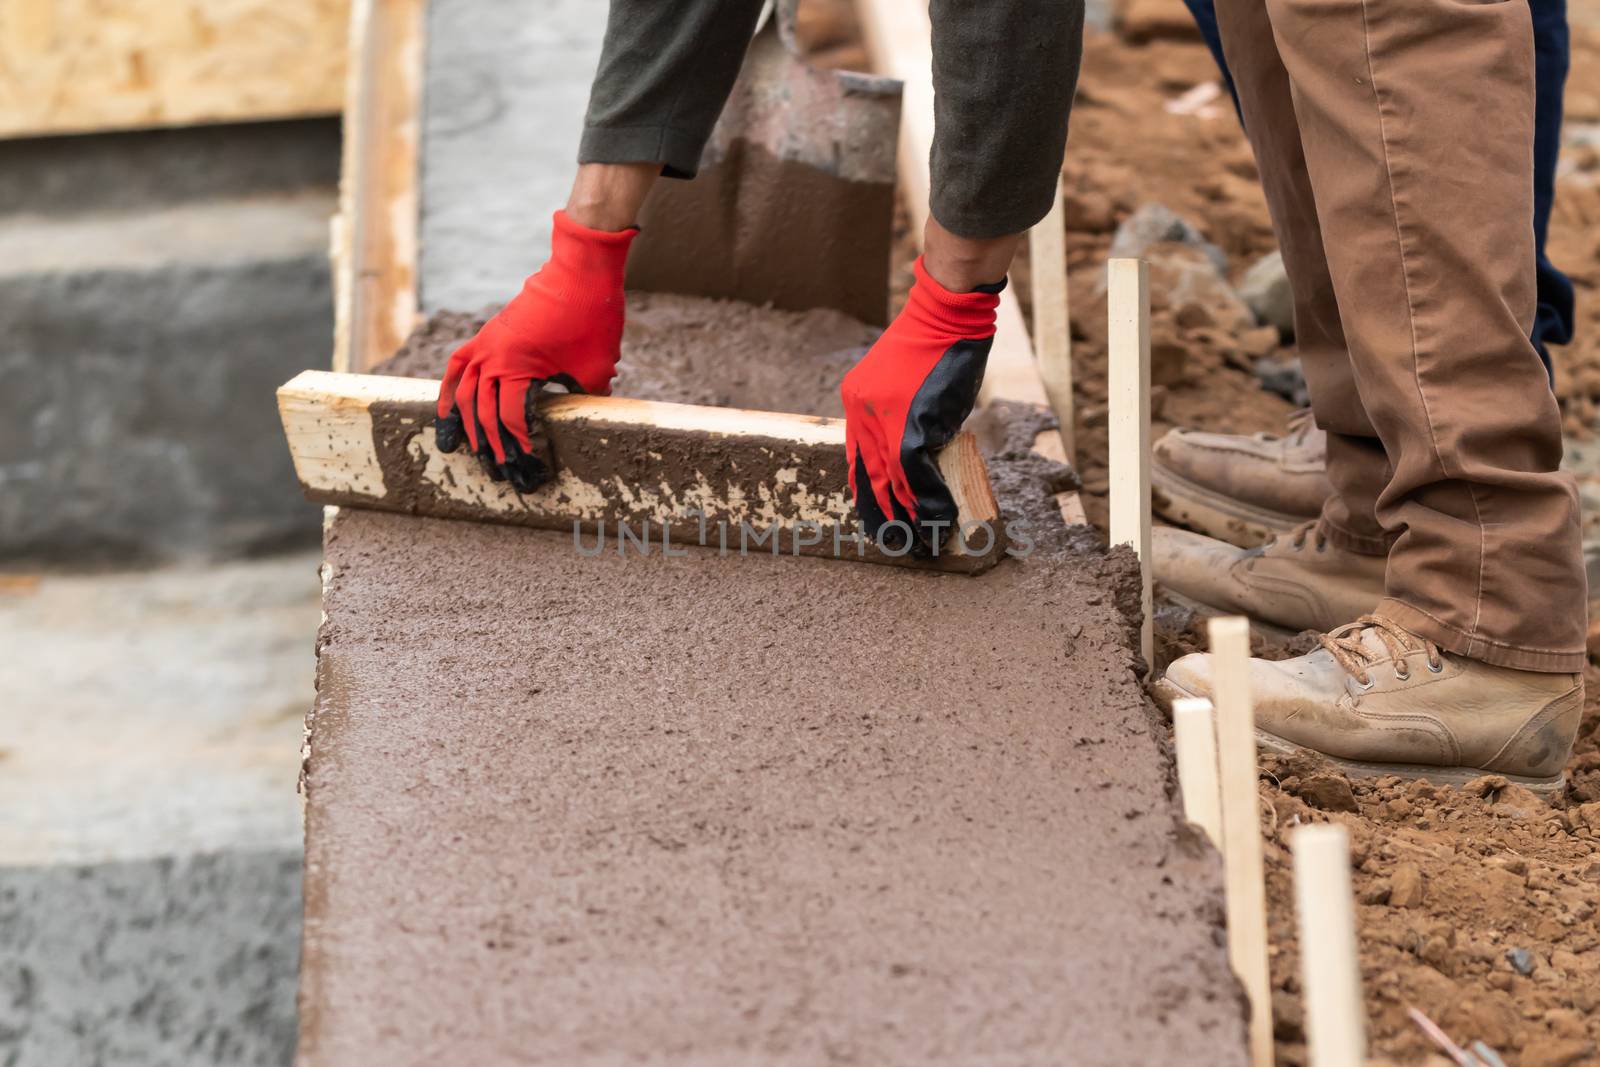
{"type": "Point", "coordinates": [150, 847]}
{"type": "Point", "coordinates": [137, 369]}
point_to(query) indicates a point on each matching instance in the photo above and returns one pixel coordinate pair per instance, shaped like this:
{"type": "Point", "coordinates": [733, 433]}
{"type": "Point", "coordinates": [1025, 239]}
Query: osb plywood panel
{"type": "Point", "coordinates": [78, 65]}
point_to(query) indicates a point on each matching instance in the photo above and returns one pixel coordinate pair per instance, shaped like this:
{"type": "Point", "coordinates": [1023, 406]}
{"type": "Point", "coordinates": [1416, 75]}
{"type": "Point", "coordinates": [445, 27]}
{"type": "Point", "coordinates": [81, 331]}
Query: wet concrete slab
{"type": "Point", "coordinates": [578, 808]}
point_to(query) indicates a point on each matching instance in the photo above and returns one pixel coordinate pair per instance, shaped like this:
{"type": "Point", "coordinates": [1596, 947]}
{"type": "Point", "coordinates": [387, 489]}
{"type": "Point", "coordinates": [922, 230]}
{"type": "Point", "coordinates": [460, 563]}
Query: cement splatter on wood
{"type": "Point", "coordinates": [575, 809]}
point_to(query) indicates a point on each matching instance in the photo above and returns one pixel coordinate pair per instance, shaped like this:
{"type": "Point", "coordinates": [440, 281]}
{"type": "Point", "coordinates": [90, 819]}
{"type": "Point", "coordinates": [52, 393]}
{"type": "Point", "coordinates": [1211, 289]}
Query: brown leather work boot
{"type": "Point", "coordinates": [1241, 489]}
{"type": "Point", "coordinates": [1297, 581]}
{"type": "Point", "coordinates": [1377, 699]}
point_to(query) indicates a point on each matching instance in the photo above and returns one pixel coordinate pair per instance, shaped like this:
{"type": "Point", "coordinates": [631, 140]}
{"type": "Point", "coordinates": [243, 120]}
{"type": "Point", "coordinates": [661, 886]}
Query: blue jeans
{"type": "Point", "coordinates": [1552, 55]}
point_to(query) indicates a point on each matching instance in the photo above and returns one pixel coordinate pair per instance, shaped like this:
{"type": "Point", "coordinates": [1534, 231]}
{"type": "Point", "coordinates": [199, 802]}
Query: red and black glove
{"type": "Point", "coordinates": [565, 326]}
{"type": "Point", "coordinates": [905, 400]}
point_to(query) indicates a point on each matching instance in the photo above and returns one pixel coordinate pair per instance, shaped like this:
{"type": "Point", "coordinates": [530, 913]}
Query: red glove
{"type": "Point", "coordinates": [905, 400]}
{"type": "Point", "coordinates": [565, 326]}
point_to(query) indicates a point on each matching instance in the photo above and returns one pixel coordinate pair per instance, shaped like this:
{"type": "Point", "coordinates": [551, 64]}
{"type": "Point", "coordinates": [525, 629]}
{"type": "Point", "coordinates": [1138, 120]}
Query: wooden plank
{"type": "Point", "coordinates": [1195, 738]}
{"type": "Point", "coordinates": [1330, 968]}
{"type": "Point", "coordinates": [374, 247]}
{"type": "Point", "coordinates": [1128, 423]}
{"type": "Point", "coordinates": [74, 66]}
{"type": "Point", "coordinates": [1047, 250]}
{"type": "Point", "coordinates": [1244, 874]}
{"type": "Point", "coordinates": [368, 441]}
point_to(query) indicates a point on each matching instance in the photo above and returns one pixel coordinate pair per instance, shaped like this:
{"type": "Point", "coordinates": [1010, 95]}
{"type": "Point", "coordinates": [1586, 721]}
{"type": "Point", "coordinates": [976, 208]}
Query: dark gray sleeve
{"type": "Point", "coordinates": [1004, 72]}
{"type": "Point", "coordinates": [666, 69]}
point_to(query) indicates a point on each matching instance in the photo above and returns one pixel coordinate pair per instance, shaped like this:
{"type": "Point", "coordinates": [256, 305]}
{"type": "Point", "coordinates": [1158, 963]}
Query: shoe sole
{"type": "Point", "coordinates": [1200, 607]}
{"type": "Point", "coordinates": [1166, 692]}
{"type": "Point", "coordinates": [1215, 515]}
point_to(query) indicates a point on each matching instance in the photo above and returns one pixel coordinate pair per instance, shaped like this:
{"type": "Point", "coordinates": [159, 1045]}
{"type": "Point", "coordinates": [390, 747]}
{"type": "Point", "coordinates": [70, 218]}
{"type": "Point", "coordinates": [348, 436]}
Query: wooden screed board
{"type": "Point", "coordinates": [368, 441]}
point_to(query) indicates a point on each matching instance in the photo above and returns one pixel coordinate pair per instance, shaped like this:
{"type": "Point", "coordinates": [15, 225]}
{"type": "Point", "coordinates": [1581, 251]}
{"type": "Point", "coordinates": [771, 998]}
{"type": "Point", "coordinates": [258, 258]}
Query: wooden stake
{"type": "Point", "coordinates": [1195, 736]}
{"type": "Point", "coordinates": [1330, 971]}
{"type": "Point", "coordinates": [1052, 341]}
{"type": "Point", "coordinates": [1128, 417]}
{"type": "Point", "coordinates": [1241, 825]}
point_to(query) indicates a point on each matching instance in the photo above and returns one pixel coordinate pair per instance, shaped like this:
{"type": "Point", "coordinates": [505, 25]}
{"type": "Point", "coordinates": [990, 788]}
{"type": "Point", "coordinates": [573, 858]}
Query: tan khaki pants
{"type": "Point", "coordinates": [1395, 141]}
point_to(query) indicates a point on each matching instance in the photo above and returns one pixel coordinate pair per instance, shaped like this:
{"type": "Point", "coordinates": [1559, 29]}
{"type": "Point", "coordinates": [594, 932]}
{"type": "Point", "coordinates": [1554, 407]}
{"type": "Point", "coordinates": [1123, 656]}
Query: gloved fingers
{"type": "Point", "coordinates": [448, 427]}
{"type": "Point", "coordinates": [495, 471]}
{"type": "Point", "coordinates": [871, 515]}
{"type": "Point", "coordinates": [529, 463]}
{"type": "Point", "coordinates": [920, 483]}
{"type": "Point", "coordinates": [466, 408]}
{"type": "Point", "coordinates": [488, 411]}
{"type": "Point", "coordinates": [875, 503]}
{"type": "Point", "coordinates": [453, 370]}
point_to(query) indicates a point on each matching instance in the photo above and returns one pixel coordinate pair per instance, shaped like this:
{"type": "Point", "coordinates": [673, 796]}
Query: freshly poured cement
{"type": "Point", "coordinates": [579, 810]}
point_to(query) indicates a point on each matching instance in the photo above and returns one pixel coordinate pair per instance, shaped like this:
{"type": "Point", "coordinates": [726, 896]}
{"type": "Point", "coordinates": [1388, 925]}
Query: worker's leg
{"type": "Point", "coordinates": [1003, 76]}
{"type": "Point", "coordinates": [1552, 323]}
{"type": "Point", "coordinates": [1357, 463]}
{"type": "Point", "coordinates": [665, 73]}
{"type": "Point", "coordinates": [1241, 488]}
{"type": "Point", "coordinates": [1322, 575]}
{"type": "Point", "coordinates": [1416, 119]}
{"type": "Point", "coordinates": [1204, 13]}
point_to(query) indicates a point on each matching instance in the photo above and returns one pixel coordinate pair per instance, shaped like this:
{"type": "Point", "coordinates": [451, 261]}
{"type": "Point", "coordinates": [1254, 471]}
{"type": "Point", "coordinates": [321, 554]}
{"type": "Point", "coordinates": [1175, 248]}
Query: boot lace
{"type": "Point", "coordinates": [1296, 537]}
{"type": "Point", "coordinates": [1346, 647]}
{"type": "Point", "coordinates": [1311, 529]}
{"type": "Point", "coordinates": [1301, 423]}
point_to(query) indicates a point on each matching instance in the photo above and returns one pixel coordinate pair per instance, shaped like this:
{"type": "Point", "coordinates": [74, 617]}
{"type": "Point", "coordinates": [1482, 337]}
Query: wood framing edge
{"type": "Point", "coordinates": [332, 424]}
{"type": "Point", "coordinates": [374, 236]}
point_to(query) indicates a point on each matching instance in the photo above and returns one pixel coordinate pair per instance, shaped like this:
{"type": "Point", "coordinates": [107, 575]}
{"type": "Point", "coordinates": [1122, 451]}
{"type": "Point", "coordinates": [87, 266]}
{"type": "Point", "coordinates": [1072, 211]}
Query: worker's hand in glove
{"type": "Point", "coordinates": [565, 326]}
{"type": "Point", "coordinates": [904, 401]}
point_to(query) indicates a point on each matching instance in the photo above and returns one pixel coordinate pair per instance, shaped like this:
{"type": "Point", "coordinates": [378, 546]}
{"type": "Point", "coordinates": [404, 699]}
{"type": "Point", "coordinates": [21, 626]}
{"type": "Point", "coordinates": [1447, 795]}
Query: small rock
{"type": "Point", "coordinates": [1405, 886]}
{"type": "Point", "coordinates": [1260, 342]}
{"type": "Point", "coordinates": [1090, 211]}
{"type": "Point", "coordinates": [1330, 792]}
{"type": "Point", "coordinates": [1265, 289]}
{"type": "Point", "coordinates": [1564, 1022]}
{"type": "Point", "coordinates": [1377, 892]}
{"type": "Point", "coordinates": [1588, 815]}
{"type": "Point", "coordinates": [1284, 377]}
{"type": "Point", "coordinates": [1399, 808]}
{"type": "Point", "coordinates": [1521, 961]}
{"type": "Point", "coordinates": [1568, 962]}
{"type": "Point", "coordinates": [1155, 224]}
{"type": "Point", "coordinates": [1435, 951]}
{"type": "Point", "coordinates": [1555, 1052]}
{"type": "Point", "coordinates": [1194, 317]}
{"type": "Point", "coordinates": [1138, 21]}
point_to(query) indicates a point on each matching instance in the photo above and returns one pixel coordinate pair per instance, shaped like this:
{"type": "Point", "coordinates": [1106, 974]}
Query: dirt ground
{"type": "Point", "coordinates": [1477, 906]}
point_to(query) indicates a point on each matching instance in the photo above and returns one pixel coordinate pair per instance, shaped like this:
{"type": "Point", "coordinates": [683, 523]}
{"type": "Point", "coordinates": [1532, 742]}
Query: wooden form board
{"type": "Point", "coordinates": [73, 66]}
{"type": "Point", "coordinates": [374, 249]}
{"type": "Point", "coordinates": [368, 441]}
